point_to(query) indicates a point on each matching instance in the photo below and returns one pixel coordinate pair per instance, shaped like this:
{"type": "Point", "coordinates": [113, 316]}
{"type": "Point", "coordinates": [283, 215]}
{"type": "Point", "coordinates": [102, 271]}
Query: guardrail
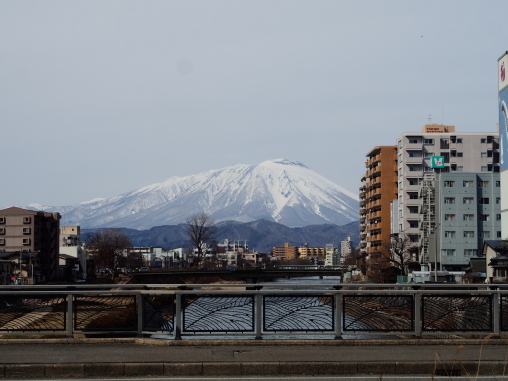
{"type": "Point", "coordinates": [257, 310]}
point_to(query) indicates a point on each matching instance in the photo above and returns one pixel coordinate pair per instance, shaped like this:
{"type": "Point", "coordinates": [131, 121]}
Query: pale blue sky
{"type": "Point", "coordinates": [98, 98]}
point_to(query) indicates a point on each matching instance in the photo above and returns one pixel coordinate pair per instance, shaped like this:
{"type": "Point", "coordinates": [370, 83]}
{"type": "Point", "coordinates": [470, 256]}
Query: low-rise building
{"type": "Point", "coordinates": [29, 231]}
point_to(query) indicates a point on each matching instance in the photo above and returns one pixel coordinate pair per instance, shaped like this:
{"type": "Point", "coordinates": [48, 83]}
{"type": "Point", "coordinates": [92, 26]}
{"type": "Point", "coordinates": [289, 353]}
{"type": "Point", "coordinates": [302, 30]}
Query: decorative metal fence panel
{"type": "Point", "coordinates": [257, 312]}
{"type": "Point", "coordinates": [298, 313]}
{"type": "Point", "coordinates": [217, 313]}
{"type": "Point", "coordinates": [105, 313]}
{"type": "Point", "coordinates": [31, 312]}
{"type": "Point", "coordinates": [382, 313]}
{"type": "Point", "coordinates": [504, 312]}
{"type": "Point", "coordinates": [459, 313]}
{"type": "Point", "coordinates": [158, 313]}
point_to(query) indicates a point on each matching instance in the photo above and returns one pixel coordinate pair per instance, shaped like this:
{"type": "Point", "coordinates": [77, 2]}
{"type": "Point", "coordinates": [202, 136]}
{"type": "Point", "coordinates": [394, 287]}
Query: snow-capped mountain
{"type": "Point", "coordinates": [277, 190]}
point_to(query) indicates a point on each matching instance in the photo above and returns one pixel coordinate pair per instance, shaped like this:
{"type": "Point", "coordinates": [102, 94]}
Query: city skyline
{"type": "Point", "coordinates": [101, 98]}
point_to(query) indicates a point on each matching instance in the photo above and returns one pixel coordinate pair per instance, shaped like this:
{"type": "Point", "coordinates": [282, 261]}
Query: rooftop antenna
{"type": "Point", "coordinates": [442, 112]}
{"type": "Point", "coordinates": [430, 118]}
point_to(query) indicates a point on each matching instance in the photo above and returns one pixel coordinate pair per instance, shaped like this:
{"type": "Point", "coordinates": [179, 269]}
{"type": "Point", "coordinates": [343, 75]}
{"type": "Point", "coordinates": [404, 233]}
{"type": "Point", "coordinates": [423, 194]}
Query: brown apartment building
{"type": "Point", "coordinates": [285, 253]}
{"type": "Point", "coordinates": [378, 190]}
{"type": "Point", "coordinates": [29, 231]}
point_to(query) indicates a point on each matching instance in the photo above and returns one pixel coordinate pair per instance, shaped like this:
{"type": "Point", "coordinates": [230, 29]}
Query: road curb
{"type": "Point", "coordinates": [77, 370]}
{"type": "Point", "coordinates": [268, 342]}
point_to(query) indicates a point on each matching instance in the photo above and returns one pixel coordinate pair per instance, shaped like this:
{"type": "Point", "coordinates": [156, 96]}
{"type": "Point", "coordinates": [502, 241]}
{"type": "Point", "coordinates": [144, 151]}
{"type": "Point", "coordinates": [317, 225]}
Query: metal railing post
{"type": "Point", "coordinates": [178, 317]}
{"type": "Point", "coordinates": [496, 313]}
{"type": "Point", "coordinates": [70, 315]}
{"type": "Point", "coordinates": [417, 299]}
{"type": "Point", "coordinates": [338, 315]}
{"type": "Point", "coordinates": [258, 318]}
{"type": "Point", "coordinates": [141, 309]}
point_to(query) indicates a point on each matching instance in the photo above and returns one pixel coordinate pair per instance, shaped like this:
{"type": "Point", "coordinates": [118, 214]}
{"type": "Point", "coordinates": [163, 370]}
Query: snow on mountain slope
{"type": "Point", "coordinates": [276, 190]}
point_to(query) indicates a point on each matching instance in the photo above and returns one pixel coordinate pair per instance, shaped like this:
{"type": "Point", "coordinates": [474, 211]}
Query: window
{"type": "Point", "coordinates": [415, 168]}
{"type": "Point", "coordinates": [428, 141]}
{"type": "Point", "coordinates": [412, 140]}
{"type": "Point", "coordinates": [26, 220]}
{"type": "Point", "coordinates": [415, 154]}
{"type": "Point", "coordinates": [26, 230]}
{"type": "Point", "coordinates": [413, 224]}
{"type": "Point", "coordinates": [469, 252]}
{"type": "Point", "coordinates": [483, 184]}
{"type": "Point", "coordinates": [484, 201]}
{"type": "Point", "coordinates": [449, 234]}
{"type": "Point", "coordinates": [483, 140]}
{"type": "Point", "coordinates": [498, 234]}
{"type": "Point", "coordinates": [449, 200]}
{"type": "Point", "coordinates": [468, 200]}
{"type": "Point", "coordinates": [449, 184]}
{"type": "Point", "coordinates": [459, 168]}
{"type": "Point", "coordinates": [449, 217]}
{"type": "Point", "coordinates": [498, 183]}
{"type": "Point", "coordinates": [483, 154]}
{"type": "Point", "coordinates": [2, 231]}
{"type": "Point", "coordinates": [498, 200]}
{"type": "Point", "coordinates": [26, 241]}
{"type": "Point", "coordinates": [413, 181]}
{"type": "Point", "coordinates": [484, 168]}
{"type": "Point", "coordinates": [413, 238]}
{"type": "Point", "coordinates": [467, 183]}
{"type": "Point", "coordinates": [448, 252]}
{"type": "Point", "coordinates": [460, 154]}
{"type": "Point", "coordinates": [459, 140]}
{"type": "Point", "coordinates": [2, 220]}
{"type": "Point", "coordinates": [498, 217]}
{"type": "Point", "coordinates": [2, 241]}
{"type": "Point", "coordinates": [413, 195]}
{"type": "Point", "coordinates": [484, 217]}
{"type": "Point", "coordinates": [468, 217]}
{"type": "Point", "coordinates": [413, 209]}
{"type": "Point", "coordinates": [428, 154]}
{"type": "Point", "coordinates": [485, 234]}
{"type": "Point", "coordinates": [469, 234]}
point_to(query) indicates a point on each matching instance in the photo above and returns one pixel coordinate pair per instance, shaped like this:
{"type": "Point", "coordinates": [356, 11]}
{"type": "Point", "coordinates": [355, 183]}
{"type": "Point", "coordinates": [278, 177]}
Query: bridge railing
{"type": "Point", "coordinates": [257, 311]}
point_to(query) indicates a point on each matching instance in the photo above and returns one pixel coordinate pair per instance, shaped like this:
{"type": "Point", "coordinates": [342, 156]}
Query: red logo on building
{"type": "Point", "coordinates": [502, 72]}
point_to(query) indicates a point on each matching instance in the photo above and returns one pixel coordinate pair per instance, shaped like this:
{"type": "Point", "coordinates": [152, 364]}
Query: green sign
{"type": "Point", "coordinates": [437, 161]}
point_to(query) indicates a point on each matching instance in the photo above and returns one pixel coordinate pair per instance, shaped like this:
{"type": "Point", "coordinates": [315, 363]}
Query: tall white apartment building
{"type": "Point", "coordinates": [462, 152]}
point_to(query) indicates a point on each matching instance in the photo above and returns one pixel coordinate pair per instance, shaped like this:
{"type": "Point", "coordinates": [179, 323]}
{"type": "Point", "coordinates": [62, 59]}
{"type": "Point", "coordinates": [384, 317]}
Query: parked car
{"type": "Point", "coordinates": [144, 269]}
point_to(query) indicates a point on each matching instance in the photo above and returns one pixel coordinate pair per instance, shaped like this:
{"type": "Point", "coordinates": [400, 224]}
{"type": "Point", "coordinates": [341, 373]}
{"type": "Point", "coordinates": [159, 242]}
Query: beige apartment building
{"type": "Point", "coordinates": [33, 234]}
{"type": "Point", "coordinates": [378, 190]}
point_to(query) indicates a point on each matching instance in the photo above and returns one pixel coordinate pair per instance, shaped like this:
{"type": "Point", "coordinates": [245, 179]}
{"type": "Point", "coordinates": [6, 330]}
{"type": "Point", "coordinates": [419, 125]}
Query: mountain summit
{"type": "Point", "coordinates": [279, 190]}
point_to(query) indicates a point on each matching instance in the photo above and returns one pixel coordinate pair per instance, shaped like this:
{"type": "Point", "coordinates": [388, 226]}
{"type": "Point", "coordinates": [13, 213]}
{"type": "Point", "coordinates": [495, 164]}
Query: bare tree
{"type": "Point", "coordinates": [107, 246]}
{"type": "Point", "coordinates": [399, 252]}
{"type": "Point", "coordinates": [201, 234]}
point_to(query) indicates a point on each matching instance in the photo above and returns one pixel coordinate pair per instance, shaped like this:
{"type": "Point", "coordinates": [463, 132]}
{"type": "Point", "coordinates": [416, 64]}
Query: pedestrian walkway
{"type": "Point", "coordinates": [60, 358]}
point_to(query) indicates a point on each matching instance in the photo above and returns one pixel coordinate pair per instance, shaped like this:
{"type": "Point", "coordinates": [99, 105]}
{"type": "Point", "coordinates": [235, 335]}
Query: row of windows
{"type": "Point", "coordinates": [470, 184]}
{"type": "Point", "coordinates": [26, 220]}
{"type": "Point", "coordinates": [451, 183]}
{"type": "Point", "coordinates": [470, 200]}
{"type": "Point", "coordinates": [418, 140]}
{"type": "Point", "coordinates": [26, 241]}
{"type": "Point", "coordinates": [471, 217]}
{"type": "Point", "coordinates": [468, 234]}
{"type": "Point", "coordinates": [452, 252]}
{"type": "Point", "coordinates": [25, 231]}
